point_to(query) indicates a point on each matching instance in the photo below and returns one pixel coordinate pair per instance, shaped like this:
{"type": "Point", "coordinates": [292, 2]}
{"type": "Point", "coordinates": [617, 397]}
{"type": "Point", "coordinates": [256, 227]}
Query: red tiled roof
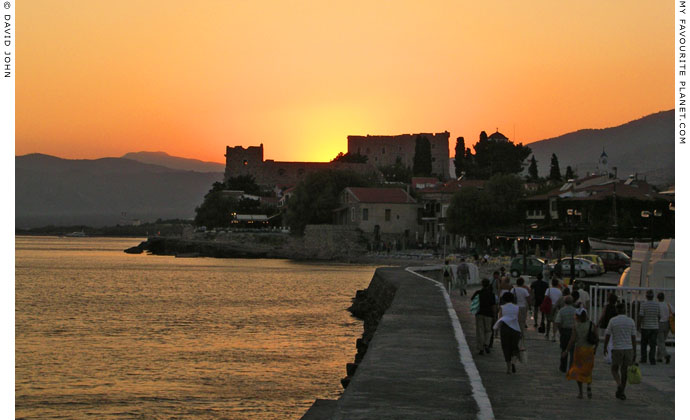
{"type": "Point", "coordinates": [381, 195]}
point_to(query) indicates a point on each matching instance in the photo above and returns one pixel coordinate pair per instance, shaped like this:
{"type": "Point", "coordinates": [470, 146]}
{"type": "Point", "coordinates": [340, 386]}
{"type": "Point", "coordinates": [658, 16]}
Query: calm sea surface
{"type": "Point", "coordinates": [105, 335]}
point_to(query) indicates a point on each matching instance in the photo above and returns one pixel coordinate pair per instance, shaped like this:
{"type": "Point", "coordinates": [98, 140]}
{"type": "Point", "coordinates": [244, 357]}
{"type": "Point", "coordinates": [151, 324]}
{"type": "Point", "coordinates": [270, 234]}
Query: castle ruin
{"type": "Point", "coordinates": [386, 150]}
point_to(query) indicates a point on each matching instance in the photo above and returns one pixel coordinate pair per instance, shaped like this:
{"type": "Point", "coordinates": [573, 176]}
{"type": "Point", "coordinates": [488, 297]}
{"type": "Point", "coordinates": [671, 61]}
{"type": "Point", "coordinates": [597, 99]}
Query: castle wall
{"type": "Point", "coordinates": [249, 161]}
{"type": "Point", "coordinates": [385, 150]}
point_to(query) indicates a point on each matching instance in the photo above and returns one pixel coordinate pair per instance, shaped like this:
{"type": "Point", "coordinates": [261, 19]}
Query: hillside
{"type": "Point", "coordinates": [108, 191]}
{"type": "Point", "coordinates": [174, 162]}
{"type": "Point", "coordinates": [644, 146]}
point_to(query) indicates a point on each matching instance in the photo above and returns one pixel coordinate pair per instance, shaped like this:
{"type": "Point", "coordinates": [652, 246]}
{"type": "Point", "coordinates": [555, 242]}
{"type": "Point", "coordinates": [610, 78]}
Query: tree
{"type": "Point", "coordinates": [533, 171]}
{"type": "Point", "coordinates": [397, 172]}
{"type": "Point", "coordinates": [555, 173]}
{"type": "Point", "coordinates": [569, 174]}
{"type": "Point", "coordinates": [474, 212]}
{"type": "Point", "coordinates": [422, 157]}
{"type": "Point", "coordinates": [244, 183]}
{"type": "Point", "coordinates": [459, 160]}
{"type": "Point", "coordinates": [350, 158]}
{"type": "Point", "coordinates": [496, 157]}
{"type": "Point", "coordinates": [318, 195]}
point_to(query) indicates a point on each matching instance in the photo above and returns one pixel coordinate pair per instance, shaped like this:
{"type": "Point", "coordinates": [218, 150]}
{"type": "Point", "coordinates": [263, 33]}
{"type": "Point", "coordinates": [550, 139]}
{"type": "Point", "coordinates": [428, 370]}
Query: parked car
{"type": "Point", "coordinates": [595, 259]}
{"type": "Point", "coordinates": [583, 268]}
{"type": "Point", "coordinates": [613, 260]}
{"type": "Point", "coordinates": [534, 266]}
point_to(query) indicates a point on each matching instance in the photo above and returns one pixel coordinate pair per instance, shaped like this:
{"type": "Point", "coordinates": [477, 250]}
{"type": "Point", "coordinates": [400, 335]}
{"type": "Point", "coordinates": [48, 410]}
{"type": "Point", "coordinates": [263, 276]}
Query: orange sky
{"type": "Point", "coordinates": [97, 78]}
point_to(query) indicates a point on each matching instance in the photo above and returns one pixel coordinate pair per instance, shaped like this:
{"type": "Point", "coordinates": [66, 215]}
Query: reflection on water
{"type": "Point", "coordinates": [103, 334]}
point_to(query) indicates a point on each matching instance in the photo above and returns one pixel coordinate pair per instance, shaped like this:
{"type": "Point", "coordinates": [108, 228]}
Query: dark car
{"type": "Point", "coordinates": [613, 260]}
{"type": "Point", "coordinates": [534, 266]}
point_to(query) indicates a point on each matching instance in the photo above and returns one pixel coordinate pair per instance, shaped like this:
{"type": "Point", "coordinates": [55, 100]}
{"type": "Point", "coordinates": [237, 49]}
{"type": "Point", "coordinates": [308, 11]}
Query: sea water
{"type": "Point", "coordinates": [106, 335]}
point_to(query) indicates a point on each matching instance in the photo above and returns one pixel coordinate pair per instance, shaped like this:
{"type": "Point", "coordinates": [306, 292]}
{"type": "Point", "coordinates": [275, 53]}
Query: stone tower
{"type": "Point", "coordinates": [241, 161]}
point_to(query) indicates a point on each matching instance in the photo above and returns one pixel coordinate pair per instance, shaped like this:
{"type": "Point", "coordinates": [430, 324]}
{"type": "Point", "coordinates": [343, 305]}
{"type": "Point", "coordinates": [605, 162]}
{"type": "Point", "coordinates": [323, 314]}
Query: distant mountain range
{"type": "Point", "coordinates": [101, 192]}
{"type": "Point", "coordinates": [644, 147]}
{"type": "Point", "coordinates": [151, 185]}
{"type": "Point", "coordinates": [173, 162]}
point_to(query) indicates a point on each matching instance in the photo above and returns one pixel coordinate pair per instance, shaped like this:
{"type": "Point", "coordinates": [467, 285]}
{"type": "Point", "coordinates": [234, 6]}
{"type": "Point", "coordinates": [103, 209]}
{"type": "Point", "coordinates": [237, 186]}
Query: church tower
{"type": "Point", "coordinates": [603, 165]}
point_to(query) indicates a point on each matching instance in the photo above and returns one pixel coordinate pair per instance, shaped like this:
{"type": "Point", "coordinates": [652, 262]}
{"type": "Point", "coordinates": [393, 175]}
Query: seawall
{"type": "Point", "coordinates": [319, 242]}
{"type": "Point", "coordinates": [410, 367]}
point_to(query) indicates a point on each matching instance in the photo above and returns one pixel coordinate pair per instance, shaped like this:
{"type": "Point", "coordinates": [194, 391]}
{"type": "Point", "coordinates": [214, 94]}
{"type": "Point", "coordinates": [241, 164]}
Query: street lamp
{"type": "Point", "coordinates": [524, 254]}
{"type": "Point", "coordinates": [572, 213]}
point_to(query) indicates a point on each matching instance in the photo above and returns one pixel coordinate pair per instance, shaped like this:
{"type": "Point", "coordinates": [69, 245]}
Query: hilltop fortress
{"type": "Point", "coordinates": [380, 151]}
{"type": "Point", "coordinates": [386, 150]}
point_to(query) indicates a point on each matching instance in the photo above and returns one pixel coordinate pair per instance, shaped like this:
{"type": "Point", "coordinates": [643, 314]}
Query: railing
{"type": "Point", "coordinates": [632, 296]}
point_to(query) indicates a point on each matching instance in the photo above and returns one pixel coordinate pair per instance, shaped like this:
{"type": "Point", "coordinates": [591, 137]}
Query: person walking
{"type": "Point", "coordinates": [621, 330]}
{"type": "Point", "coordinates": [522, 298]}
{"type": "Point", "coordinates": [648, 325]}
{"type": "Point", "coordinates": [554, 294]}
{"type": "Point", "coordinates": [485, 316]}
{"type": "Point", "coordinates": [463, 275]}
{"type": "Point", "coordinates": [584, 295]}
{"type": "Point", "coordinates": [509, 330]}
{"type": "Point", "coordinates": [447, 276]}
{"type": "Point", "coordinates": [546, 270]}
{"type": "Point", "coordinates": [538, 287]}
{"type": "Point", "coordinates": [608, 313]}
{"type": "Point", "coordinates": [564, 322]}
{"type": "Point", "coordinates": [583, 349]}
{"type": "Point", "coordinates": [665, 311]}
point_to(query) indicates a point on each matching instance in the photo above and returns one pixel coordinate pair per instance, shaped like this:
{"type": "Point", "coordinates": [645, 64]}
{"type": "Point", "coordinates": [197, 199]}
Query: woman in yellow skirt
{"type": "Point", "coordinates": [583, 360]}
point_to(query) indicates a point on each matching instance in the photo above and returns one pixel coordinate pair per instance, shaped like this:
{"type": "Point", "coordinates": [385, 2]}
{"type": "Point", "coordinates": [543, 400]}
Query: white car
{"type": "Point", "coordinates": [583, 268]}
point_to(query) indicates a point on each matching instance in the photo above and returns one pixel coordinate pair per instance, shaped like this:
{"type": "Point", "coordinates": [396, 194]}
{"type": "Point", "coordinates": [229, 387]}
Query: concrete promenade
{"type": "Point", "coordinates": [412, 368]}
{"type": "Point", "coordinates": [540, 391]}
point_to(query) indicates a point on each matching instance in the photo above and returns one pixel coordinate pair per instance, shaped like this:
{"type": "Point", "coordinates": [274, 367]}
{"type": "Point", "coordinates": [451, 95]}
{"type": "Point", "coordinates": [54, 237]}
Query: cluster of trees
{"type": "Point", "coordinates": [475, 212]}
{"type": "Point", "coordinates": [318, 195]}
{"type": "Point", "coordinates": [554, 172]}
{"type": "Point", "coordinates": [350, 158]}
{"type": "Point", "coordinates": [215, 210]}
{"type": "Point", "coordinates": [489, 158]}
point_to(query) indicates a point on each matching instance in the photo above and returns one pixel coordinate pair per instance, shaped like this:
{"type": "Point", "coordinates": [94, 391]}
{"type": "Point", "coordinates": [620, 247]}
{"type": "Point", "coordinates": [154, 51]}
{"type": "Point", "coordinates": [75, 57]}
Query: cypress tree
{"type": "Point", "coordinates": [555, 173]}
{"type": "Point", "coordinates": [532, 170]}
{"type": "Point", "coordinates": [422, 157]}
{"type": "Point", "coordinates": [459, 156]}
{"type": "Point", "coordinates": [569, 174]}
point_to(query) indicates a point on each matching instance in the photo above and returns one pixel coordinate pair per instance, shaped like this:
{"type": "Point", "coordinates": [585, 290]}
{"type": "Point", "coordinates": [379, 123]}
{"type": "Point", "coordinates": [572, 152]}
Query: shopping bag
{"type": "Point", "coordinates": [634, 374]}
{"type": "Point", "coordinates": [474, 306]}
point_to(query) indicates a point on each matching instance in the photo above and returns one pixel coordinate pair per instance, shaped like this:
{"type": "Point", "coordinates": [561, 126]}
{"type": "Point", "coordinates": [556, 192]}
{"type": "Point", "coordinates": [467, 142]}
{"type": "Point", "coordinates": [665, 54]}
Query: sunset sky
{"type": "Point", "coordinates": [102, 78]}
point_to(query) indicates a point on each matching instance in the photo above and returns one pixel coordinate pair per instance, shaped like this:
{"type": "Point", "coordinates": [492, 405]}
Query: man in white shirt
{"type": "Point", "coordinates": [621, 330]}
{"type": "Point", "coordinates": [522, 296]}
{"type": "Point", "coordinates": [665, 312]}
{"type": "Point", "coordinates": [555, 294]}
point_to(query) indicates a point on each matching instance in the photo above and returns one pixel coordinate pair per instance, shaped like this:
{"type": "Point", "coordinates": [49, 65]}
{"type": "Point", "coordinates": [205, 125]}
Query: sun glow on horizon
{"type": "Point", "coordinates": [300, 77]}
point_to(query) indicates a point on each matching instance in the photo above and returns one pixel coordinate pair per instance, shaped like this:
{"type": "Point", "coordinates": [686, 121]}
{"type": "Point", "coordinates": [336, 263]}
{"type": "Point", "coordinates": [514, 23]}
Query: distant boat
{"type": "Point", "coordinates": [76, 234]}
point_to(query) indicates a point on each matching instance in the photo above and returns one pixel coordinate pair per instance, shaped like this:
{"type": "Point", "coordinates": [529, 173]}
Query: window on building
{"type": "Point", "coordinates": [352, 214]}
{"type": "Point", "coordinates": [553, 205]}
{"type": "Point", "coordinates": [365, 214]}
{"type": "Point", "coordinates": [383, 150]}
{"type": "Point", "coordinates": [388, 215]}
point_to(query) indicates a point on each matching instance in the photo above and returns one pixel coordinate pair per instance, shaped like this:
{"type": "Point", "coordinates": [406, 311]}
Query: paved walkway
{"type": "Point", "coordinates": [540, 390]}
